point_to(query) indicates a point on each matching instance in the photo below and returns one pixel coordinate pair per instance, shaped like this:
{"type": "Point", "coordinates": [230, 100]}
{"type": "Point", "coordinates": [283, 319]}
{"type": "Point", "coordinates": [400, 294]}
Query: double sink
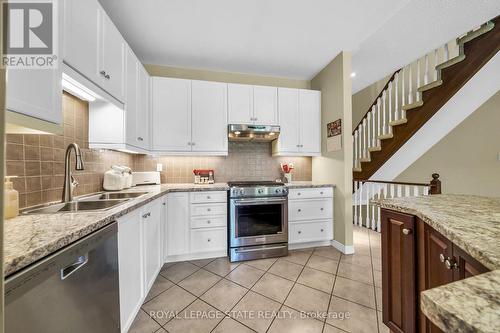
{"type": "Point", "coordinates": [94, 202]}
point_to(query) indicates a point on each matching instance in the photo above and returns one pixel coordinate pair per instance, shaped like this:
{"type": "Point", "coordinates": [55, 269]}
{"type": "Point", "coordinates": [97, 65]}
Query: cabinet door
{"type": "Point", "coordinates": [171, 122]}
{"type": "Point", "coordinates": [265, 105]}
{"type": "Point", "coordinates": [240, 103]}
{"type": "Point", "coordinates": [178, 224]}
{"type": "Point", "coordinates": [143, 109]}
{"type": "Point", "coordinates": [112, 58]}
{"type": "Point", "coordinates": [466, 266]}
{"type": "Point", "coordinates": [131, 100]}
{"type": "Point", "coordinates": [288, 111]}
{"type": "Point", "coordinates": [399, 301]}
{"type": "Point", "coordinates": [209, 116]}
{"type": "Point", "coordinates": [81, 22]}
{"type": "Point", "coordinates": [310, 121]}
{"type": "Point", "coordinates": [151, 218]}
{"type": "Point", "coordinates": [433, 249]}
{"type": "Point", "coordinates": [130, 267]}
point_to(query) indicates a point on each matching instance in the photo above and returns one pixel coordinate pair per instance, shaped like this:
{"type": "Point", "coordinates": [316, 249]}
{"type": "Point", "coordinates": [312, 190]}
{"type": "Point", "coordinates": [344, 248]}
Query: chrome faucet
{"type": "Point", "coordinates": [69, 181]}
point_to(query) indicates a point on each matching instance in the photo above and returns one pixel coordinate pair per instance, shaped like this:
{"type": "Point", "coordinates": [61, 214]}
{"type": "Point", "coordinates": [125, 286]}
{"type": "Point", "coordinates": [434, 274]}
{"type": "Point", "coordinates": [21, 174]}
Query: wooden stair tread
{"type": "Point", "coordinates": [365, 159]}
{"type": "Point", "coordinates": [476, 33]}
{"type": "Point", "coordinates": [450, 62]}
{"type": "Point", "coordinates": [430, 85]}
{"type": "Point", "coordinates": [413, 105]}
{"type": "Point", "coordinates": [386, 136]}
{"type": "Point", "coordinates": [398, 122]}
{"type": "Point", "coordinates": [371, 149]}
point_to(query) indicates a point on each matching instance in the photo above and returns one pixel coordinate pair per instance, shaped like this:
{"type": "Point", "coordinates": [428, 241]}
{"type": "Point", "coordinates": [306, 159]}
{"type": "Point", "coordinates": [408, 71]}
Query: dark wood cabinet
{"type": "Point", "coordinates": [415, 257]}
{"type": "Point", "coordinates": [398, 271]}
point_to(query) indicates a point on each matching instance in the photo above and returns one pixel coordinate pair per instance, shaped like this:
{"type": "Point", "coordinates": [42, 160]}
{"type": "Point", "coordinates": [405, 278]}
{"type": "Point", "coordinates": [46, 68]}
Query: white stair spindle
{"type": "Point", "coordinates": [407, 190]}
{"type": "Point", "coordinates": [360, 151]}
{"type": "Point", "coordinates": [399, 191]}
{"type": "Point", "coordinates": [403, 96]}
{"type": "Point", "coordinates": [410, 86]}
{"type": "Point", "coordinates": [378, 208]}
{"type": "Point", "coordinates": [365, 148]}
{"type": "Point", "coordinates": [355, 149]}
{"type": "Point", "coordinates": [367, 208]}
{"type": "Point", "coordinates": [446, 53]}
{"type": "Point", "coordinates": [417, 93]}
{"type": "Point", "coordinates": [355, 202]}
{"type": "Point", "coordinates": [415, 191]}
{"type": "Point", "coordinates": [396, 105]}
{"type": "Point", "coordinates": [360, 221]}
{"type": "Point", "coordinates": [374, 126]}
{"type": "Point", "coordinates": [384, 126]}
{"type": "Point", "coordinates": [426, 73]}
{"type": "Point", "coordinates": [436, 61]}
{"type": "Point", "coordinates": [373, 206]}
{"type": "Point", "coordinates": [390, 105]}
{"type": "Point", "coordinates": [392, 190]}
{"type": "Point", "coordinates": [378, 119]}
{"type": "Point", "coordinates": [426, 190]}
{"type": "Point", "coordinates": [369, 144]}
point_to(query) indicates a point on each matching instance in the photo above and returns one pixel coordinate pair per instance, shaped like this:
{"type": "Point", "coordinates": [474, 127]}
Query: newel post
{"type": "Point", "coordinates": [435, 184]}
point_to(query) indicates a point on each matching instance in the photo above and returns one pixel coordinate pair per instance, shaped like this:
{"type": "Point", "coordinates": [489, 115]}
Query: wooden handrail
{"type": "Point", "coordinates": [376, 99]}
{"type": "Point", "coordinates": [434, 185]}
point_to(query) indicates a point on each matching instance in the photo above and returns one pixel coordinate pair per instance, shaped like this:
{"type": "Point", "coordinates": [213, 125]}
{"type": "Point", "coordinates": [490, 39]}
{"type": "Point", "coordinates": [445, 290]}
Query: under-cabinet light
{"type": "Point", "coordinates": [77, 89]}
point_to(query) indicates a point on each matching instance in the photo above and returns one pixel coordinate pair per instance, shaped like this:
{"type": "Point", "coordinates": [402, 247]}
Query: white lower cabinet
{"type": "Point", "coordinates": [151, 240]}
{"type": "Point", "coordinates": [196, 225]}
{"type": "Point", "coordinates": [310, 215]}
{"type": "Point", "coordinates": [130, 267]}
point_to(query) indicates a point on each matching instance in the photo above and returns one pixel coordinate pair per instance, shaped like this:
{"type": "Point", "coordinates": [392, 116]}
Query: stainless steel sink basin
{"type": "Point", "coordinates": [112, 196]}
{"type": "Point", "coordinates": [75, 206]}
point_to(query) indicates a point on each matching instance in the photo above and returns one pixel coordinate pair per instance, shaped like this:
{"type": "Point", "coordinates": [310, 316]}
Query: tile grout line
{"type": "Point", "coordinates": [374, 287]}
{"type": "Point", "coordinates": [331, 293]}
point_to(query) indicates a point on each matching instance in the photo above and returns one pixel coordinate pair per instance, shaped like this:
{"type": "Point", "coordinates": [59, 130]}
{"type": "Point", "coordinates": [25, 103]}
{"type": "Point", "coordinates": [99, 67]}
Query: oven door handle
{"type": "Point", "coordinates": [260, 249]}
{"type": "Point", "coordinates": [258, 201]}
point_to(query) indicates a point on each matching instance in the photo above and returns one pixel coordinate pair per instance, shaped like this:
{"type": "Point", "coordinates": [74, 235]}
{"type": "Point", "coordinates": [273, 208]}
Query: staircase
{"type": "Point", "coordinates": [415, 93]}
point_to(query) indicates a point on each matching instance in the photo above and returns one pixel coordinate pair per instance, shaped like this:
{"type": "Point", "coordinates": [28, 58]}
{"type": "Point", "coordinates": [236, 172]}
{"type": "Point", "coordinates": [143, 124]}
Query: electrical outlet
{"type": "Point", "coordinates": [499, 156]}
{"type": "Point", "coordinates": [159, 167]}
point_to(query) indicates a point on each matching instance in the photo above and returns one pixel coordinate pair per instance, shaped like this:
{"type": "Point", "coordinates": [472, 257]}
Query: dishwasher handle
{"type": "Point", "coordinates": [70, 269]}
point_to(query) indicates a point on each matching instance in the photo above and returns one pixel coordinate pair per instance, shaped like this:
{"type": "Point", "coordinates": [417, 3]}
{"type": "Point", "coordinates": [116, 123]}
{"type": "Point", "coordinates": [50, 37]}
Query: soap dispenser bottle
{"type": "Point", "coordinates": [11, 199]}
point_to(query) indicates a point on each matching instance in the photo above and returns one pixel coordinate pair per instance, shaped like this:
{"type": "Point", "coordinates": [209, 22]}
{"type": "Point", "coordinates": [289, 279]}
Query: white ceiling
{"type": "Point", "coordinates": [291, 38]}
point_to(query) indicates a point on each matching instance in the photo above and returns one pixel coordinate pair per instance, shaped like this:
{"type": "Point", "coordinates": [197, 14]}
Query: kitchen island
{"type": "Point", "coordinates": [451, 266]}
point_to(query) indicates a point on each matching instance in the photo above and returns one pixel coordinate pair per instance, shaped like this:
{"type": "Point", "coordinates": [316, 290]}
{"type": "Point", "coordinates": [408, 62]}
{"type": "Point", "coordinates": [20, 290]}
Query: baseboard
{"type": "Point", "coordinates": [196, 256]}
{"type": "Point", "coordinates": [306, 245]}
{"type": "Point", "coordinates": [349, 249]}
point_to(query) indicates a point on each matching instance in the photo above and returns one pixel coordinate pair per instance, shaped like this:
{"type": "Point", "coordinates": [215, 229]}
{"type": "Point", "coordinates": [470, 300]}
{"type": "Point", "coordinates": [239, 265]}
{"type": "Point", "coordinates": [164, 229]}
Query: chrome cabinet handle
{"type": "Point", "coordinates": [406, 231]}
{"type": "Point", "coordinates": [321, 208]}
{"type": "Point", "coordinates": [322, 230]}
{"type": "Point", "coordinates": [146, 215]}
{"type": "Point", "coordinates": [107, 77]}
{"type": "Point", "coordinates": [209, 209]}
{"type": "Point", "coordinates": [450, 263]}
{"type": "Point", "coordinates": [209, 221]}
{"type": "Point", "coordinates": [103, 73]}
{"type": "Point", "coordinates": [140, 138]}
{"type": "Point", "coordinates": [299, 232]}
{"type": "Point", "coordinates": [209, 239]}
{"type": "Point", "coordinates": [299, 210]}
{"type": "Point", "coordinates": [208, 197]}
{"type": "Point", "coordinates": [442, 258]}
{"type": "Point", "coordinates": [193, 143]}
{"type": "Point", "coordinates": [321, 193]}
{"type": "Point", "coordinates": [164, 204]}
{"type": "Point", "coordinates": [299, 193]}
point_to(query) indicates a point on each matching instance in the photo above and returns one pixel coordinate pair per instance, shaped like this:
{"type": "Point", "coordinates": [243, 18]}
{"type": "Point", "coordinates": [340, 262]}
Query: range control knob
{"type": "Point", "coordinates": [260, 191]}
{"type": "Point", "coordinates": [242, 191]}
{"type": "Point", "coordinates": [278, 190]}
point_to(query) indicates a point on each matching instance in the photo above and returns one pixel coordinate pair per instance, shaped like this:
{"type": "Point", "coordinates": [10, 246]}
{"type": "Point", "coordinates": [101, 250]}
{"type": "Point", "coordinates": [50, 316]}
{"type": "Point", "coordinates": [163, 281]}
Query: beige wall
{"type": "Point", "coordinates": [334, 81]}
{"type": "Point", "coordinates": [199, 74]}
{"type": "Point", "coordinates": [466, 158]}
{"type": "Point", "coordinates": [363, 99]}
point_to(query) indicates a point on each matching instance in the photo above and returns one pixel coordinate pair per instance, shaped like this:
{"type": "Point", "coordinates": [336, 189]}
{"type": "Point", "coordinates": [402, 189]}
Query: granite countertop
{"type": "Point", "coordinates": [308, 184]}
{"type": "Point", "coordinates": [473, 224]}
{"type": "Point", "coordinates": [28, 238]}
{"type": "Point", "coordinates": [469, 305]}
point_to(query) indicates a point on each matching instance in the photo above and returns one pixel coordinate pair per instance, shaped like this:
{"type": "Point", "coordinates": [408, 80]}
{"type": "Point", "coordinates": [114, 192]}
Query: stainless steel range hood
{"type": "Point", "coordinates": [263, 133]}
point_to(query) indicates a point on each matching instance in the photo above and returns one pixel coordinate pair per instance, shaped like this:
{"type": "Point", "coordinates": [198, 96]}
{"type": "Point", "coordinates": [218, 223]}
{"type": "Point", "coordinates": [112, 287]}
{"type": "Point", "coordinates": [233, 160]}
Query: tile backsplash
{"type": "Point", "coordinates": [246, 161]}
{"type": "Point", "coordinates": [38, 161]}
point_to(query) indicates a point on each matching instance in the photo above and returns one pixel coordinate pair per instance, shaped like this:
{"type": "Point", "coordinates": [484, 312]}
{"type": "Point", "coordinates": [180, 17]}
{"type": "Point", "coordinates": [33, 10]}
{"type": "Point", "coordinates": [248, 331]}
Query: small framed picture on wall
{"type": "Point", "coordinates": [334, 135]}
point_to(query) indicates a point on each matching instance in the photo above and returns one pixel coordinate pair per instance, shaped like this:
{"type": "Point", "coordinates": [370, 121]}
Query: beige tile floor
{"type": "Point", "coordinates": [310, 290]}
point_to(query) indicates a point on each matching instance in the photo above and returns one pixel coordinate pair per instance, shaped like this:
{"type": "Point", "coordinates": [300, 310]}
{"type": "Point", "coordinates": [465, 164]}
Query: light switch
{"type": "Point", "coordinates": [159, 167]}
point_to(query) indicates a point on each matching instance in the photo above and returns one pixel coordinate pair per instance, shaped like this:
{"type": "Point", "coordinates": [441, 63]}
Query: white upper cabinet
{"type": "Point", "coordinates": [111, 58]}
{"type": "Point", "coordinates": [310, 121]}
{"type": "Point", "coordinates": [81, 24]}
{"type": "Point", "coordinates": [249, 104]}
{"type": "Point", "coordinates": [209, 116]}
{"type": "Point", "coordinates": [132, 113]}
{"type": "Point", "coordinates": [265, 105]}
{"type": "Point", "coordinates": [240, 103]}
{"type": "Point", "coordinates": [37, 93]}
{"type": "Point", "coordinates": [143, 107]}
{"type": "Point", "coordinates": [171, 112]}
{"type": "Point", "coordinates": [300, 123]}
{"type": "Point", "coordinates": [288, 101]}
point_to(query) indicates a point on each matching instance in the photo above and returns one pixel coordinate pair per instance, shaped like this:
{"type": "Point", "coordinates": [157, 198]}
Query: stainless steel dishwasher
{"type": "Point", "coordinates": [73, 290]}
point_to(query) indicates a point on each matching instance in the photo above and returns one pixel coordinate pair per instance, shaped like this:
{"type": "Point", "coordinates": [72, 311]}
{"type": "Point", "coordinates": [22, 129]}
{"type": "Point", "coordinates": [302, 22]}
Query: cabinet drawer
{"type": "Point", "coordinates": [303, 210]}
{"type": "Point", "coordinates": [208, 209]}
{"type": "Point", "coordinates": [309, 193]}
{"type": "Point", "coordinates": [208, 197]}
{"type": "Point", "coordinates": [209, 221]}
{"type": "Point", "coordinates": [207, 240]}
{"type": "Point", "coordinates": [309, 231]}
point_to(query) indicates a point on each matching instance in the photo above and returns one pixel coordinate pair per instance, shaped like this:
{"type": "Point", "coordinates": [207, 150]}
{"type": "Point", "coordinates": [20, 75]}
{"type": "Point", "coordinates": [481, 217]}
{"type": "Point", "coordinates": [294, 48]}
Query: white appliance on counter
{"type": "Point", "coordinates": [146, 178]}
{"type": "Point", "coordinates": [117, 178]}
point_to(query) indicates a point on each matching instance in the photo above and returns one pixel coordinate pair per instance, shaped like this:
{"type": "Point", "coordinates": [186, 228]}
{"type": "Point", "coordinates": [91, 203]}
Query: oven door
{"type": "Point", "coordinates": [257, 221]}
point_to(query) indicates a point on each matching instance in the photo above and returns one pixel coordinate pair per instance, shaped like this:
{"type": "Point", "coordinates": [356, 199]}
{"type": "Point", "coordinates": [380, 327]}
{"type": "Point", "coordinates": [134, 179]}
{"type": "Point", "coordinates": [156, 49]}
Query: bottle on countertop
{"type": "Point", "coordinates": [11, 199]}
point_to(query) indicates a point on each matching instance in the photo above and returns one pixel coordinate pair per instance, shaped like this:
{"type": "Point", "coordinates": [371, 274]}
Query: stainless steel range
{"type": "Point", "coordinates": [258, 220]}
